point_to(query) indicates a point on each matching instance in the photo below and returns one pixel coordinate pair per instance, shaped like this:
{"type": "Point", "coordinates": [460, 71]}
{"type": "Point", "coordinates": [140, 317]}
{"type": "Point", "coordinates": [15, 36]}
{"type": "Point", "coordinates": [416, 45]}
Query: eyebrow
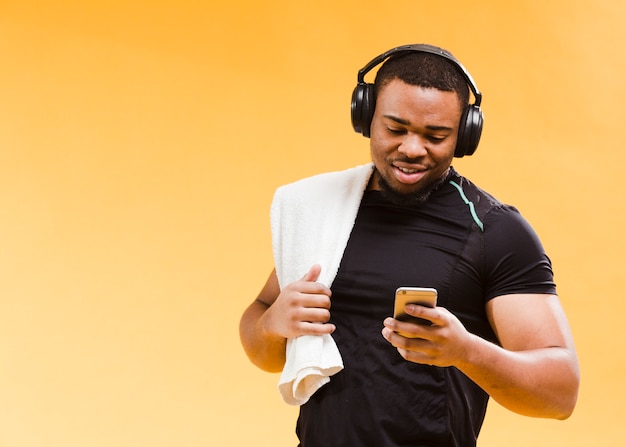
{"type": "Point", "coordinates": [407, 122]}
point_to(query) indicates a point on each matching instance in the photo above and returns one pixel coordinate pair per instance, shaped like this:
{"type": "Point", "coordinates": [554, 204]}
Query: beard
{"type": "Point", "coordinates": [410, 199]}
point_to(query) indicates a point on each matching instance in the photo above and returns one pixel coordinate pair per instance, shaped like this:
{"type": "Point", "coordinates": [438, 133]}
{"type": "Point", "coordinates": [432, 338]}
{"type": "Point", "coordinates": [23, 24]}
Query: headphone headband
{"type": "Point", "coordinates": [422, 48]}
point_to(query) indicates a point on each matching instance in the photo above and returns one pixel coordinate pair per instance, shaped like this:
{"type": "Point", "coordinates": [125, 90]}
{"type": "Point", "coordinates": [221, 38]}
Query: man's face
{"type": "Point", "coordinates": [413, 136]}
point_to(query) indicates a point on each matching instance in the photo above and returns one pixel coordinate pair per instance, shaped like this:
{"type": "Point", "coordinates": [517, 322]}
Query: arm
{"type": "Point", "coordinates": [301, 308]}
{"type": "Point", "coordinates": [535, 370]}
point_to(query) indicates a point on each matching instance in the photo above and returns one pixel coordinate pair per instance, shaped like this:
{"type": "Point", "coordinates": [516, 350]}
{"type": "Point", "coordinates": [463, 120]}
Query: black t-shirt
{"type": "Point", "coordinates": [468, 246]}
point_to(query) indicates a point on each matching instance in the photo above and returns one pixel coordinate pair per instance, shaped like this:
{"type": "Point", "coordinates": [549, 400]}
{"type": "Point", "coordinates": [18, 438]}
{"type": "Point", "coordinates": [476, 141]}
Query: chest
{"type": "Point", "coordinates": [393, 246]}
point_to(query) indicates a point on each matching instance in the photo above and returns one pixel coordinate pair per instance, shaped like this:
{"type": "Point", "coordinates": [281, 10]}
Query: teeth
{"type": "Point", "coordinates": [408, 171]}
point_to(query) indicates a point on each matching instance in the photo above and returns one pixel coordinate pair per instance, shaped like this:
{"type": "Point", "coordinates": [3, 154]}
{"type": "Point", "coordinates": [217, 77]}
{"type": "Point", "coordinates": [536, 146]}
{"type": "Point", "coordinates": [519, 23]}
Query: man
{"type": "Point", "coordinates": [498, 329]}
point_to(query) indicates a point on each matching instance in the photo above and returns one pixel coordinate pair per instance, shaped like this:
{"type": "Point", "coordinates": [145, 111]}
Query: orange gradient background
{"type": "Point", "coordinates": [140, 145]}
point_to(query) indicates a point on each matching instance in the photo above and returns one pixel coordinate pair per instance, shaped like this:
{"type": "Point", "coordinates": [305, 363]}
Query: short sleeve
{"type": "Point", "coordinates": [515, 260]}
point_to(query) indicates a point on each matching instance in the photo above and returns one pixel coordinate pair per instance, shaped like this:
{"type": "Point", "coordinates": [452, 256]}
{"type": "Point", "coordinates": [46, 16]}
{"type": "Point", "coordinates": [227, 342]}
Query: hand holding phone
{"type": "Point", "coordinates": [422, 296]}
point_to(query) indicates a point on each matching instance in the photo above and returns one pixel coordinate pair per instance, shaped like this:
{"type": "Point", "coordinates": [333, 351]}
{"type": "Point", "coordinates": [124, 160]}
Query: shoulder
{"type": "Point", "coordinates": [472, 192]}
{"type": "Point", "coordinates": [499, 222]}
{"type": "Point", "coordinates": [514, 258]}
{"type": "Point", "coordinates": [482, 205]}
{"type": "Point", "coordinates": [321, 185]}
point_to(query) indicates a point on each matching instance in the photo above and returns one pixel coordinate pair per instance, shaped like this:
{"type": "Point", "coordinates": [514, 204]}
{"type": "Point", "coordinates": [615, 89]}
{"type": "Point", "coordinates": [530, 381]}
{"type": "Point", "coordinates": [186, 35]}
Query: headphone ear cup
{"type": "Point", "coordinates": [363, 104]}
{"type": "Point", "coordinates": [470, 130]}
{"type": "Point", "coordinates": [357, 105]}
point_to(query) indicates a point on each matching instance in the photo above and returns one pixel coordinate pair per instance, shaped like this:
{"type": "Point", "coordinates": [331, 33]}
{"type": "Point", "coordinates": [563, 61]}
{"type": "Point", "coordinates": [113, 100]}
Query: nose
{"type": "Point", "coordinates": [413, 146]}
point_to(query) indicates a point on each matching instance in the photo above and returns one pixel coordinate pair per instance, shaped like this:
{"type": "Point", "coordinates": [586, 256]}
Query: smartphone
{"type": "Point", "coordinates": [423, 296]}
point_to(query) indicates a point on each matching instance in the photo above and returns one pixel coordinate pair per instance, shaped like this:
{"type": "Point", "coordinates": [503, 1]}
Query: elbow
{"type": "Point", "coordinates": [565, 411]}
{"type": "Point", "coordinates": [567, 399]}
{"type": "Point", "coordinates": [569, 404]}
{"type": "Point", "coordinates": [567, 393]}
{"type": "Point", "coordinates": [559, 407]}
{"type": "Point", "coordinates": [267, 355]}
{"type": "Point", "coordinates": [553, 401]}
{"type": "Point", "coordinates": [265, 363]}
{"type": "Point", "coordinates": [263, 359]}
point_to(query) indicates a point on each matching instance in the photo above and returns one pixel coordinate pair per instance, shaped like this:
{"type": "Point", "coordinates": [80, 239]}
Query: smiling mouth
{"type": "Point", "coordinates": [409, 176]}
{"type": "Point", "coordinates": [408, 170]}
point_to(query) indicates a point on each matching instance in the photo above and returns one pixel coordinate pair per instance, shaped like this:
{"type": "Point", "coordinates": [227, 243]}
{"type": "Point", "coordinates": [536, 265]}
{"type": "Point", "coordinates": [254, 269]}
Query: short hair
{"type": "Point", "coordinates": [425, 70]}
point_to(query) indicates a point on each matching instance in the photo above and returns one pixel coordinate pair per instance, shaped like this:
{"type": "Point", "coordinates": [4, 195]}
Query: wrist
{"type": "Point", "coordinates": [475, 353]}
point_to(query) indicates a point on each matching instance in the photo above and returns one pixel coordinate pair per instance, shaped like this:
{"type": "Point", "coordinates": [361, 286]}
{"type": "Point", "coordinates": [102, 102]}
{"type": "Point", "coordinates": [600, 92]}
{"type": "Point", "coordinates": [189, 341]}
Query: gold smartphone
{"type": "Point", "coordinates": [423, 296]}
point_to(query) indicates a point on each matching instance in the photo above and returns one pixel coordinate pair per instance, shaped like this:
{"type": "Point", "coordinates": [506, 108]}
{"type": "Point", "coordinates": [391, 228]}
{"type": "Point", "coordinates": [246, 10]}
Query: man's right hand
{"type": "Point", "coordinates": [301, 308]}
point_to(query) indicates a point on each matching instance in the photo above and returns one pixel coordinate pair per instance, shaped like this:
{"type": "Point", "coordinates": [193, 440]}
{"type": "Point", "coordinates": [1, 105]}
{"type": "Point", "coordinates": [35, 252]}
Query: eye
{"type": "Point", "coordinates": [436, 138]}
{"type": "Point", "coordinates": [396, 131]}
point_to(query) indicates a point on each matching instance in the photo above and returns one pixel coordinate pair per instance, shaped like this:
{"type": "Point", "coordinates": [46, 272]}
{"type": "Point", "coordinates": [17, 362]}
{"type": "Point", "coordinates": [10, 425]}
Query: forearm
{"type": "Point", "coordinates": [539, 383]}
{"type": "Point", "coordinates": [264, 350]}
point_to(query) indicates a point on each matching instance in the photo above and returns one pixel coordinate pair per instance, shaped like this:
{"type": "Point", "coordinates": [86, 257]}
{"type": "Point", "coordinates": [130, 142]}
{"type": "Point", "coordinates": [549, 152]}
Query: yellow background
{"type": "Point", "coordinates": [141, 142]}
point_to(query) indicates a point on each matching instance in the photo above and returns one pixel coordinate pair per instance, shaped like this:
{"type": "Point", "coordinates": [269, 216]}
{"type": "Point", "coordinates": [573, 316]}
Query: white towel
{"type": "Point", "coordinates": [311, 360]}
{"type": "Point", "coordinates": [311, 222]}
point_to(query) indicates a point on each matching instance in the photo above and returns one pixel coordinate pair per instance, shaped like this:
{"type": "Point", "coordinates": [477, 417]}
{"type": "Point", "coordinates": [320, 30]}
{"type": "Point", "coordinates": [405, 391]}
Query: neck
{"type": "Point", "coordinates": [378, 183]}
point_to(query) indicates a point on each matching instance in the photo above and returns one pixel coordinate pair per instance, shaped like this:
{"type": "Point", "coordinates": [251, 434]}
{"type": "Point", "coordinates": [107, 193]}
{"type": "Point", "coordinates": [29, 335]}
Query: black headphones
{"type": "Point", "coordinates": [364, 101]}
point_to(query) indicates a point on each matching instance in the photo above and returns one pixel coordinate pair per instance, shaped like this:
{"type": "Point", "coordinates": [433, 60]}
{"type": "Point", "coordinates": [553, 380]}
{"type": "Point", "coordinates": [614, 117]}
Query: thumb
{"type": "Point", "coordinates": [313, 273]}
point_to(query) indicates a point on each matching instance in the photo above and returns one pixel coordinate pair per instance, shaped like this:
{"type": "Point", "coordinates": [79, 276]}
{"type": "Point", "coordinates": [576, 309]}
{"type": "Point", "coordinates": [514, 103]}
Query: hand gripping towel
{"type": "Point", "coordinates": [311, 221]}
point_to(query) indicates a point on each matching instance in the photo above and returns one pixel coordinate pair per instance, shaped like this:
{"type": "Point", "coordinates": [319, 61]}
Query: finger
{"type": "Point", "coordinates": [318, 298]}
{"type": "Point", "coordinates": [396, 331]}
{"type": "Point", "coordinates": [410, 348]}
{"type": "Point", "coordinates": [313, 274]}
{"type": "Point", "coordinates": [311, 285]}
{"type": "Point", "coordinates": [318, 328]}
{"type": "Point", "coordinates": [422, 312]}
{"type": "Point", "coordinates": [314, 315]}
{"type": "Point", "coordinates": [417, 357]}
